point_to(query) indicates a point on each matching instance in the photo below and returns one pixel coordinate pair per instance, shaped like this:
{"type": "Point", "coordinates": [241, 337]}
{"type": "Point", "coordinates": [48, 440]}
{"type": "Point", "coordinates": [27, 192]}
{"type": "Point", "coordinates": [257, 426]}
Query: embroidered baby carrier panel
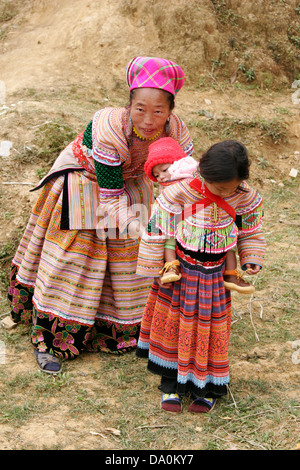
{"type": "Point", "coordinates": [208, 228]}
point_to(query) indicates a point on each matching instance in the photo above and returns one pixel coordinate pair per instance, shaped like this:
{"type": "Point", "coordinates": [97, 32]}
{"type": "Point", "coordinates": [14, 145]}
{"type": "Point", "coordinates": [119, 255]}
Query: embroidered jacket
{"type": "Point", "coordinates": [211, 230]}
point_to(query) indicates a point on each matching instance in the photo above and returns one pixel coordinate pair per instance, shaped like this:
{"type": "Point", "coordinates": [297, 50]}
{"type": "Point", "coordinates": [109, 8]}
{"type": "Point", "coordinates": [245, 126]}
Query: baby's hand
{"type": "Point", "coordinates": [252, 268]}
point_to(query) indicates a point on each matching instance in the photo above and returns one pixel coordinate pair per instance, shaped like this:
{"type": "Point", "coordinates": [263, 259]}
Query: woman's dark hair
{"type": "Point", "coordinates": [170, 98]}
{"type": "Point", "coordinates": [225, 161]}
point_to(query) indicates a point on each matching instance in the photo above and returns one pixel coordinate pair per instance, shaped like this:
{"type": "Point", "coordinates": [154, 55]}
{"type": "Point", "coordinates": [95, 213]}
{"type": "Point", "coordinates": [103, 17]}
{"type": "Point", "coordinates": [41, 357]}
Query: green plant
{"type": "Point", "coordinates": [249, 73]}
{"type": "Point", "coordinates": [51, 138]}
{"type": "Point", "coordinates": [262, 162]}
{"type": "Point", "coordinates": [225, 14]}
{"type": "Point", "coordinates": [293, 33]}
{"type": "Point", "coordinates": [7, 11]}
{"type": "Point", "coordinates": [233, 128]}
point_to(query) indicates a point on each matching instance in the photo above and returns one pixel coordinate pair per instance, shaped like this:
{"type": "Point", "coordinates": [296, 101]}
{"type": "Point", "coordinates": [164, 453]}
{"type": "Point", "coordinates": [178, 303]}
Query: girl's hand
{"type": "Point", "coordinates": [252, 268]}
{"type": "Point", "coordinates": [165, 286]}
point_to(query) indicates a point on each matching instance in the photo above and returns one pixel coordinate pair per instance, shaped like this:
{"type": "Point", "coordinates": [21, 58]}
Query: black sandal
{"type": "Point", "coordinates": [47, 362]}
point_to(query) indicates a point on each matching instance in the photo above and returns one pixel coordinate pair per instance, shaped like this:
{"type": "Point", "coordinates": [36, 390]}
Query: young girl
{"type": "Point", "coordinates": [186, 325]}
{"type": "Point", "coordinates": [166, 164]}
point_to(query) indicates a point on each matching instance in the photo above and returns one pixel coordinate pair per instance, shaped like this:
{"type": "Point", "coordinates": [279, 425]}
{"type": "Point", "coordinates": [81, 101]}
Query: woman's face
{"type": "Point", "coordinates": [149, 111]}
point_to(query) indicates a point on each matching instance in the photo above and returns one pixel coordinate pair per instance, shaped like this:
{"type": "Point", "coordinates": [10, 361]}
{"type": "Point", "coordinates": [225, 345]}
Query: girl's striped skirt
{"type": "Point", "coordinates": [185, 330]}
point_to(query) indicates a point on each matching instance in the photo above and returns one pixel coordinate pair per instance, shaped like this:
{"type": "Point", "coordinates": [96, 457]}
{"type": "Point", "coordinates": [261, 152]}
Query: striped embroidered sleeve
{"type": "Point", "coordinates": [109, 151]}
{"type": "Point", "coordinates": [251, 248]}
{"type": "Point", "coordinates": [151, 250]}
{"type": "Point", "coordinates": [113, 201]}
{"type": "Point", "coordinates": [109, 143]}
{"type": "Point", "coordinates": [180, 133]}
{"type": "Point", "coordinates": [151, 256]}
{"type": "Point", "coordinates": [251, 242]}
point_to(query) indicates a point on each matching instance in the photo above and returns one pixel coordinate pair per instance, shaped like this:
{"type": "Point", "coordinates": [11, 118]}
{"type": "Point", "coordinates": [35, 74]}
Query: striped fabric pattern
{"type": "Point", "coordinates": [78, 275]}
{"type": "Point", "coordinates": [185, 330]}
{"type": "Point", "coordinates": [185, 334]}
{"type": "Point", "coordinates": [134, 203]}
{"type": "Point", "coordinates": [211, 230]}
{"type": "Point", "coordinates": [81, 286]}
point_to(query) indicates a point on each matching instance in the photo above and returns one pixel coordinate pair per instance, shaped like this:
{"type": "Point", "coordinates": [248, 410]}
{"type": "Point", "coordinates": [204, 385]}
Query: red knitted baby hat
{"type": "Point", "coordinates": [164, 150]}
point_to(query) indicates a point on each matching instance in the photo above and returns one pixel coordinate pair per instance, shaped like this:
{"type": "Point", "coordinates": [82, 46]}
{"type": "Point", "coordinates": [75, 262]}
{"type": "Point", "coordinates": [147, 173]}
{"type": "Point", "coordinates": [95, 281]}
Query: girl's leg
{"type": "Point", "coordinates": [230, 261]}
{"type": "Point", "coordinates": [168, 385]}
{"type": "Point", "coordinates": [171, 269]}
{"type": "Point", "coordinates": [170, 400]}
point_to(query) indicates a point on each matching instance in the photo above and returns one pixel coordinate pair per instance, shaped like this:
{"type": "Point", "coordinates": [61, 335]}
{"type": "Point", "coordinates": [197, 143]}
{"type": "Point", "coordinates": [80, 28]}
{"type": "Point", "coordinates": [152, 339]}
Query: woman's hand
{"type": "Point", "coordinates": [252, 268]}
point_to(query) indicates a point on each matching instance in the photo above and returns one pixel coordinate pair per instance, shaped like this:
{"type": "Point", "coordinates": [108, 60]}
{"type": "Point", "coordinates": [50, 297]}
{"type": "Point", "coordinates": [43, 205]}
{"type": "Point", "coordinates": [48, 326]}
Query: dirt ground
{"type": "Point", "coordinates": [61, 61]}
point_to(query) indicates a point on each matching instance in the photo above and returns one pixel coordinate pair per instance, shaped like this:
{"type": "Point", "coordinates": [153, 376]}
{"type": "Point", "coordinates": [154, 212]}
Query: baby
{"type": "Point", "coordinates": [166, 164]}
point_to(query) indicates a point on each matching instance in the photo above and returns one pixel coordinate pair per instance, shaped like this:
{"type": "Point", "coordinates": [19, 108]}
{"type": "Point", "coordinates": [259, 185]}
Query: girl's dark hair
{"type": "Point", "coordinates": [170, 98]}
{"type": "Point", "coordinates": [225, 161]}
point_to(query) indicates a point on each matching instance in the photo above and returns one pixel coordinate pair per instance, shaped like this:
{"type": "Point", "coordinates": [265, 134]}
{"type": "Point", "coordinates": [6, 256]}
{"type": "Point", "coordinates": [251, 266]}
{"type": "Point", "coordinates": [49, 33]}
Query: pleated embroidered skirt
{"type": "Point", "coordinates": [185, 330]}
{"type": "Point", "coordinates": [79, 289]}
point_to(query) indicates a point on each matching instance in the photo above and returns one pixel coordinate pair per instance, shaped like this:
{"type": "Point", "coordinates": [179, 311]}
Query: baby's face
{"type": "Point", "coordinates": [161, 173]}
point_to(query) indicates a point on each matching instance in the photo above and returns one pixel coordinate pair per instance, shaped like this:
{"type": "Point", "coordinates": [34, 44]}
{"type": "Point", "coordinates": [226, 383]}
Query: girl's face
{"type": "Point", "coordinates": [223, 189]}
{"type": "Point", "coordinates": [161, 172]}
{"type": "Point", "coordinates": [149, 111]}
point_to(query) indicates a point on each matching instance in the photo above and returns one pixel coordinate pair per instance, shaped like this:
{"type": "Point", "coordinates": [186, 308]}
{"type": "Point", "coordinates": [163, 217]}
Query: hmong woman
{"type": "Point", "coordinates": [76, 282]}
{"type": "Point", "coordinates": [186, 325]}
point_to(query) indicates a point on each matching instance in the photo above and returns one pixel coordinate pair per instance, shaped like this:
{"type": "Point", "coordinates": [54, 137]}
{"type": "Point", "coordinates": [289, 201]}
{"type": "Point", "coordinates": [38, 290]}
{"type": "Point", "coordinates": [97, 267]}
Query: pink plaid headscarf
{"type": "Point", "coordinates": [153, 72]}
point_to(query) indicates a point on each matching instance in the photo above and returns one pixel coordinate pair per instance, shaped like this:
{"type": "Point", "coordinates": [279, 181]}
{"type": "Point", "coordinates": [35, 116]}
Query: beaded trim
{"type": "Point", "coordinates": [145, 138]}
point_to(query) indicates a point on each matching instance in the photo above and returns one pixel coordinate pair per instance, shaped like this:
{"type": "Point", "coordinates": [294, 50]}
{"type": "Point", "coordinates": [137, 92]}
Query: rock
{"type": "Point", "coordinates": [5, 147]}
{"type": "Point", "coordinates": [293, 172]}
